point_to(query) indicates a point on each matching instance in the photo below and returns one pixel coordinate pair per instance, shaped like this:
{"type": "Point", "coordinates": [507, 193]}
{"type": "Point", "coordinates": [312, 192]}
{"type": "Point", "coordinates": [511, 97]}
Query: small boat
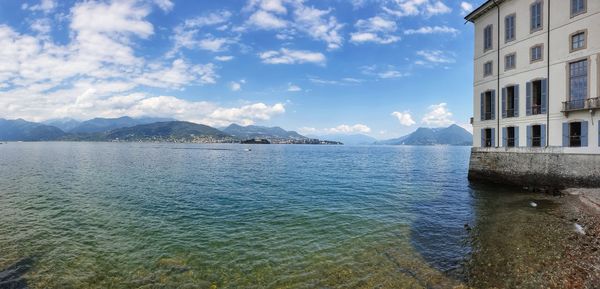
{"type": "Point", "coordinates": [248, 150]}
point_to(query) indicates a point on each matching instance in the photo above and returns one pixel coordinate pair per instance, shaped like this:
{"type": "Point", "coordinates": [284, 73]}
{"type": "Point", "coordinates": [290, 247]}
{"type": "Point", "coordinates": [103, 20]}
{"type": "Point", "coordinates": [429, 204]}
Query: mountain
{"type": "Point", "coordinates": [348, 139]}
{"type": "Point", "coordinates": [172, 130]}
{"type": "Point", "coordinates": [21, 130]}
{"type": "Point", "coordinates": [107, 124]}
{"type": "Point", "coordinates": [65, 124]}
{"type": "Point", "coordinates": [452, 135]}
{"type": "Point", "coordinates": [252, 131]}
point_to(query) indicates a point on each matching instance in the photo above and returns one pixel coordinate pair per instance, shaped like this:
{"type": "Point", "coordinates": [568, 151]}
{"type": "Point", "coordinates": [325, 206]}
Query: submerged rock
{"type": "Point", "coordinates": [579, 229]}
{"type": "Point", "coordinates": [12, 276]}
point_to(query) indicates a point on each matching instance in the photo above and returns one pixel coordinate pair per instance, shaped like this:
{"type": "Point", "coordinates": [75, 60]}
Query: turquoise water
{"type": "Point", "coordinates": [128, 215]}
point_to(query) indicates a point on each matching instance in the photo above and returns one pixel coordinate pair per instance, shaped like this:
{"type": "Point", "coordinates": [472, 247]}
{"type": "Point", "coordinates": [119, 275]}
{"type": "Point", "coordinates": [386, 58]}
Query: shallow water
{"type": "Point", "coordinates": [128, 215]}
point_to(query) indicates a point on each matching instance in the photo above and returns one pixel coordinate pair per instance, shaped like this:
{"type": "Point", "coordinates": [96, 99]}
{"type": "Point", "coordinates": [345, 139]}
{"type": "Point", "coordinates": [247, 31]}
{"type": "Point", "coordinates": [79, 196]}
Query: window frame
{"type": "Point", "coordinates": [514, 63]}
{"type": "Point", "coordinates": [575, 14]}
{"type": "Point", "coordinates": [538, 138]}
{"type": "Point", "coordinates": [585, 40]}
{"type": "Point", "coordinates": [514, 28]}
{"type": "Point", "coordinates": [491, 72]}
{"type": "Point", "coordinates": [488, 140]}
{"type": "Point", "coordinates": [572, 136]}
{"type": "Point", "coordinates": [541, 27]}
{"type": "Point", "coordinates": [485, 37]}
{"type": "Point", "coordinates": [514, 138]}
{"type": "Point", "coordinates": [541, 46]}
{"type": "Point", "coordinates": [508, 88]}
{"type": "Point", "coordinates": [588, 72]}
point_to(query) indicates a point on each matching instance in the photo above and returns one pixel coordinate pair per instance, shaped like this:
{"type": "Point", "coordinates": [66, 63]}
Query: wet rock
{"type": "Point", "coordinates": [12, 276]}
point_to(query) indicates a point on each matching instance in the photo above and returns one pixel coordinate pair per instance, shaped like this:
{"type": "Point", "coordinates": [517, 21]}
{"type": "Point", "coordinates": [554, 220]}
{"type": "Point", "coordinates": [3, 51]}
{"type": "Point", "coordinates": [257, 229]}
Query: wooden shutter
{"type": "Point", "coordinates": [483, 137]}
{"type": "Point", "coordinates": [544, 95]}
{"type": "Point", "coordinates": [516, 103]}
{"type": "Point", "coordinates": [528, 100]}
{"type": "Point", "coordinates": [493, 137]}
{"type": "Point", "coordinates": [565, 134]}
{"type": "Point", "coordinates": [493, 104]}
{"type": "Point", "coordinates": [543, 135]}
{"type": "Point", "coordinates": [504, 102]}
{"type": "Point", "coordinates": [529, 136]}
{"type": "Point", "coordinates": [504, 140]}
{"type": "Point", "coordinates": [516, 136]}
{"type": "Point", "coordinates": [584, 133]}
{"type": "Point", "coordinates": [482, 106]}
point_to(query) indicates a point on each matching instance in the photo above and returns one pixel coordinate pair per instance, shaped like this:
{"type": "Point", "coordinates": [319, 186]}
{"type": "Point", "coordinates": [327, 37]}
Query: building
{"type": "Point", "coordinates": [537, 86]}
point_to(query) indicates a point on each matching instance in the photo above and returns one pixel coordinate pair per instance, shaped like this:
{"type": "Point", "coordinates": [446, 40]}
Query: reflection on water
{"type": "Point", "coordinates": [100, 215]}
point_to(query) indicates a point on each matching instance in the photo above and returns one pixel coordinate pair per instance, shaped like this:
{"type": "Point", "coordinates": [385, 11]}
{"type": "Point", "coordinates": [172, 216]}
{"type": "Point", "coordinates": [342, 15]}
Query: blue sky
{"type": "Point", "coordinates": [378, 67]}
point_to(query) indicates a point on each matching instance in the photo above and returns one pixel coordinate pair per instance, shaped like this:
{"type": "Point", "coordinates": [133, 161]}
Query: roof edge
{"type": "Point", "coordinates": [482, 9]}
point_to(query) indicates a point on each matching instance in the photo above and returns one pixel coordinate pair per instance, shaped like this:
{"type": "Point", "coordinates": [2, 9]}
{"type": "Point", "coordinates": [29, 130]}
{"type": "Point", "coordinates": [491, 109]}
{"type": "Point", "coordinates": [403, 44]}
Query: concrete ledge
{"type": "Point", "coordinates": [539, 167]}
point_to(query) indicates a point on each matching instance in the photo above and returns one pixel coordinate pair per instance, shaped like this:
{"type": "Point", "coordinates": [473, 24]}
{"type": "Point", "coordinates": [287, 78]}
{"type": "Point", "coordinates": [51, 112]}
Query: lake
{"type": "Point", "coordinates": [145, 215]}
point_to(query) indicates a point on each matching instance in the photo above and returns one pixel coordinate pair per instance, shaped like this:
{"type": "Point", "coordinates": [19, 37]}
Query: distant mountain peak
{"type": "Point", "coordinates": [451, 135]}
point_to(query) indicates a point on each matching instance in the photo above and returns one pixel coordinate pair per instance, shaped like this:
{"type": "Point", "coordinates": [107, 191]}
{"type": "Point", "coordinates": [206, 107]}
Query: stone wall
{"type": "Point", "coordinates": [538, 167]}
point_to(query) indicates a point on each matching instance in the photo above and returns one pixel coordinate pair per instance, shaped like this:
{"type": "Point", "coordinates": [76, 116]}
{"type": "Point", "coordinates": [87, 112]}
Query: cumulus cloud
{"type": "Point", "coordinates": [428, 8]}
{"type": "Point", "coordinates": [434, 57]}
{"type": "Point", "coordinates": [438, 115]}
{"type": "Point", "coordinates": [187, 34]}
{"type": "Point", "coordinates": [288, 56]}
{"type": "Point", "coordinates": [245, 115]}
{"type": "Point", "coordinates": [375, 29]}
{"type": "Point", "coordinates": [45, 6]}
{"type": "Point", "coordinates": [432, 30]}
{"type": "Point", "coordinates": [265, 20]}
{"type": "Point", "coordinates": [236, 85]}
{"type": "Point", "coordinates": [165, 5]}
{"type": "Point", "coordinates": [404, 118]}
{"type": "Point", "coordinates": [466, 7]}
{"type": "Point", "coordinates": [224, 58]}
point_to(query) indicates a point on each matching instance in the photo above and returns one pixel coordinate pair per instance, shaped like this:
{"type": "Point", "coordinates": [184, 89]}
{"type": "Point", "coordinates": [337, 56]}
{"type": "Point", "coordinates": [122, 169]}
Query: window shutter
{"type": "Point", "coordinates": [516, 100]}
{"type": "Point", "coordinates": [482, 106]}
{"type": "Point", "coordinates": [483, 137]}
{"type": "Point", "coordinates": [504, 136]}
{"type": "Point", "coordinates": [544, 95]}
{"type": "Point", "coordinates": [529, 93]}
{"type": "Point", "coordinates": [584, 133]}
{"type": "Point", "coordinates": [493, 137]}
{"type": "Point", "coordinates": [516, 136]}
{"type": "Point", "coordinates": [493, 104]}
{"type": "Point", "coordinates": [565, 133]}
{"type": "Point", "coordinates": [543, 135]}
{"type": "Point", "coordinates": [529, 135]}
{"type": "Point", "coordinates": [504, 102]}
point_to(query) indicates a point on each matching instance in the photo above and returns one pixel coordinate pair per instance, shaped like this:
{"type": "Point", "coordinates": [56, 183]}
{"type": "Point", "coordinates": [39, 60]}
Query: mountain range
{"type": "Point", "coordinates": [348, 139]}
{"type": "Point", "coordinates": [452, 135]}
{"type": "Point", "coordinates": [261, 132]}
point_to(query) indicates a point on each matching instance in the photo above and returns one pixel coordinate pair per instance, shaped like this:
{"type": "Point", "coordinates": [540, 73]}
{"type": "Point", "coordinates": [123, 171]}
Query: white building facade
{"type": "Point", "coordinates": [537, 75]}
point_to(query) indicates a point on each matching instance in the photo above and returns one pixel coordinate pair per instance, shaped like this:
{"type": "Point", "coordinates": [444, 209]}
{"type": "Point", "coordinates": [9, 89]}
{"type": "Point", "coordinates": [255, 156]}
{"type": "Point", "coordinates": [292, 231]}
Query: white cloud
{"type": "Point", "coordinates": [438, 115]}
{"type": "Point", "coordinates": [404, 118]}
{"type": "Point", "coordinates": [432, 30]}
{"type": "Point", "coordinates": [293, 88]}
{"type": "Point", "coordinates": [435, 57]}
{"type": "Point", "coordinates": [224, 58]}
{"type": "Point", "coordinates": [186, 35]}
{"type": "Point", "coordinates": [214, 44]}
{"type": "Point", "coordinates": [288, 56]}
{"type": "Point", "coordinates": [392, 74]}
{"type": "Point", "coordinates": [179, 74]}
{"type": "Point", "coordinates": [318, 25]}
{"type": "Point", "coordinates": [340, 129]}
{"type": "Point", "coordinates": [265, 20]}
{"type": "Point", "coordinates": [428, 8]}
{"type": "Point", "coordinates": [236, 85]}
{"type": "Point", "coordinates": [466, 7]}
{"type": "Point", "coordinates": [165, 5]}
{"type": "Point", "coordinates": [45, 6]}
{"type": "Point", "coordinates": [42, 26]}
{"type": "Point", "coordinates": [375, 29]}
{"type": "Point", "coordinates": [245, 115]}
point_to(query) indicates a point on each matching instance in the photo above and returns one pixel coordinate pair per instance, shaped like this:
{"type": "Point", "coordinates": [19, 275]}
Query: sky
{"type": "Point", "coordinates": [377, 67]}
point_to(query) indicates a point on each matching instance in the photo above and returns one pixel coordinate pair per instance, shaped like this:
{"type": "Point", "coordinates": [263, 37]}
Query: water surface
{"type": "Point", "coordinates": [129, 215]}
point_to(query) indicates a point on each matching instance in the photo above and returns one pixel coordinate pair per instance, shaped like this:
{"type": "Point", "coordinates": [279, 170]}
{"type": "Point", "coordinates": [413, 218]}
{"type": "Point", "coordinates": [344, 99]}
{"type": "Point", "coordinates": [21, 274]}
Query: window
{"type": "Point", "coordinates": [487, 138]}
{"type": "Point", "coordinates": [488, 69]}
{"type": "Point", "coordinates": [578, 41]}
{"type": "Point", "coordinates": [536, 135]}
{"type": "Point", "coordinates": [537, 53]}
{"type": "Point", "coordinates": [509, 26]}
{"type": "Point", "coordinates": [575, 134]}
{"type": "Point", "coordinates": [487, 105]}
{"type": "Point", "coordinates": [536, 16]}
{"type": "Point", "coordinates": [510, 61]}
{"type": "Point", "coordinates": [578, 7]}
{"type": "Point", "coordinates": [510, 101]}
{"type": "Point", "coordinates": [510, 137]}
{"type": "Point", "coordinates": [536, 97]}
{"type": "Point", "coordinates": [578, 84]}
{"type": "Point", "coordinates": [488, 38]}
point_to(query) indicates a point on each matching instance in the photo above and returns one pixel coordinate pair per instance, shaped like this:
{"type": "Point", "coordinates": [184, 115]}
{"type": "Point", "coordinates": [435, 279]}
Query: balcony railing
{"type": "Point", "coordinates": [575, 141]}
{"type": "Point", "coordinates": [536, 141]}
{"type": "Point", "coordinates": [581, 104]}
{"type": "Point", "coordinates": [536, 109]}
{"type": "Point", "coordinates": [487, 115]}
{"type": "Point", "coordinates": [510, 112]}
{"type": "Point", "coordinates": [510, 142]}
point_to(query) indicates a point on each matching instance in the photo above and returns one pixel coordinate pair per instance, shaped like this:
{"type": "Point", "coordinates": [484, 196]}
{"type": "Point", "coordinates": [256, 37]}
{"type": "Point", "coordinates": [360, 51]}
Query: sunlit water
{"type": "Point", "coordinates": [104, 215]}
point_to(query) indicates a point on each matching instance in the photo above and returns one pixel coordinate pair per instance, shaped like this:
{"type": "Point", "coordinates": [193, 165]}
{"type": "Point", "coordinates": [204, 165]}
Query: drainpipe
{"type": "Point", "coordinates": [548, 83]}
{"type": "Point", "coordinates": [498, 93]}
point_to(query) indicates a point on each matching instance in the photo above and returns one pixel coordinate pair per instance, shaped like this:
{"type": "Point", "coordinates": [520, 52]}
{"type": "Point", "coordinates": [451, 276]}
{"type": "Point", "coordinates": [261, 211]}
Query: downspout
{"type": "Point", "coordinates": [498, 94]}
{"type": "Point", "coordinates": [548, 83]}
